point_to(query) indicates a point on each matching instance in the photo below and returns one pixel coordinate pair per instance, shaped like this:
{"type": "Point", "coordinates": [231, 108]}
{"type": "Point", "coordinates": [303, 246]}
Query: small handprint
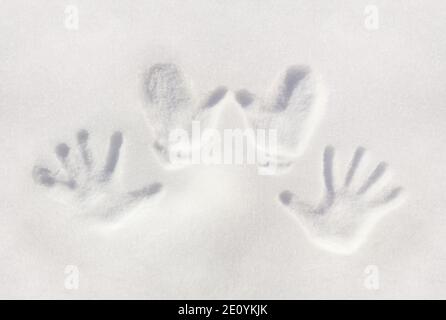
{"type": "Point", "coordinates": [346, 214]}
{"type": "Point", "coordinates": [81, 182]}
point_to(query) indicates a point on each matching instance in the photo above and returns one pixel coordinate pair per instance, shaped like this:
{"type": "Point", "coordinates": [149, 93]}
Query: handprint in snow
{"type": "Point", "coordinates": [345, 216]}
{"type": "Point", "coordinates": [81, 182]}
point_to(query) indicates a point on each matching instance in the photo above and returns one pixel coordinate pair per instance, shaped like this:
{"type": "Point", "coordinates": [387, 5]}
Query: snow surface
{"type": "Point", "coordinates": [220, 231]}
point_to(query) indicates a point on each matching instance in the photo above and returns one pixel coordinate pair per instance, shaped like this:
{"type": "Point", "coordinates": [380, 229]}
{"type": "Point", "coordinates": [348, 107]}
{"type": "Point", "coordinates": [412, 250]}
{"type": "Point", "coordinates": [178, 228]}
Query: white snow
{"type": "Point", "coordinates": [220, 231]}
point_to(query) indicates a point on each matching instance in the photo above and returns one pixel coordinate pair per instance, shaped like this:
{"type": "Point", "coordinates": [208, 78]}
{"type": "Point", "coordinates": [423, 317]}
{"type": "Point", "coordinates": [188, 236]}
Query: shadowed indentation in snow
{"type": "Point", "coordinates": [345, 216]}
{"type": "Point", "coordinates": [81, 182]}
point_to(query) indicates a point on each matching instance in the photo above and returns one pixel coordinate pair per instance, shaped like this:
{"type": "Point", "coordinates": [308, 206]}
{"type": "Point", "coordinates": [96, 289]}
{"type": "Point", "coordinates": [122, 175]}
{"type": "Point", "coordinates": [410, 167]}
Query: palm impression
{"type": "Point", "coordinates": [345, 216]}
{"type": "Point", "coordinates": [82, 182]}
